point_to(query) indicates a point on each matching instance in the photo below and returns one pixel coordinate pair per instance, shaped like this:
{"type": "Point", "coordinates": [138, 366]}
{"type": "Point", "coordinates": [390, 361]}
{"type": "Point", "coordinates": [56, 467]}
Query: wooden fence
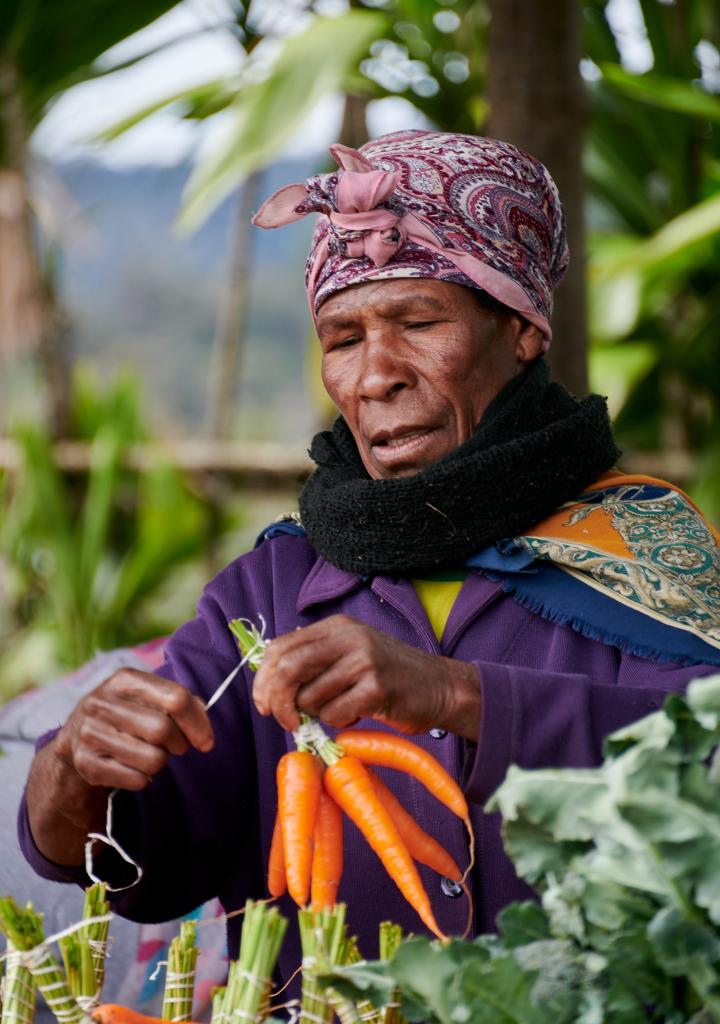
{"type": "Point", "coordinates": [262, 463]}
{"type": "Point", "coordinates": [276, 465]}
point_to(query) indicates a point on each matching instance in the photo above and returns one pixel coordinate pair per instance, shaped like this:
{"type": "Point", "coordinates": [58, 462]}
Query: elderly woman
{"type": "Point", "coordinates": [470, 570]}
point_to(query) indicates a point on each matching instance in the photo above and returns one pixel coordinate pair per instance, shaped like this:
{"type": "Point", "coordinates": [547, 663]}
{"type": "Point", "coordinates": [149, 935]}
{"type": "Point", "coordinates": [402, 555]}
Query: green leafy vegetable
{"type": "Point", "coordinates": [626, 859]}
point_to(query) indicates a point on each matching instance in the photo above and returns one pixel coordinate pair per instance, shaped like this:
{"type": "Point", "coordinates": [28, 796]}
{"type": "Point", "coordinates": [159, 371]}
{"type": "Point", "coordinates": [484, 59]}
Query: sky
{"type": "Point", "coordinates": [193, 49]}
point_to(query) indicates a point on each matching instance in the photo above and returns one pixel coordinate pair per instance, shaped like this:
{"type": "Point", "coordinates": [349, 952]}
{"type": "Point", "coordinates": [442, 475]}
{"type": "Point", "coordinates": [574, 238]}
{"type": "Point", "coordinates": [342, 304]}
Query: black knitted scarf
{"type": "Point", "coordinates": [535, 448]}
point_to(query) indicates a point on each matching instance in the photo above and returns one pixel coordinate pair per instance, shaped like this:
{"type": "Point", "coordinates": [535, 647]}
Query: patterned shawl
{"type": "Point", "coordinates": [631, 562]}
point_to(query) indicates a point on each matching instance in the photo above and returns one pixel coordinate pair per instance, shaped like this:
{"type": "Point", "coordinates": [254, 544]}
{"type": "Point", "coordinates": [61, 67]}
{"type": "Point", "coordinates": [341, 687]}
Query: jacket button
{"type": "Point", "coordinates": [450, 888]}
{"type": "Point", "coordinates": [438, 734]}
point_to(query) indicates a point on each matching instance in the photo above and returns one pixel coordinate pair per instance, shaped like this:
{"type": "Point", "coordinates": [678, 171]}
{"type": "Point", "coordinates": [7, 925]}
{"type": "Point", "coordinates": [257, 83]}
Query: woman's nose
{"type": "Point", "coordinates": [385, 369]}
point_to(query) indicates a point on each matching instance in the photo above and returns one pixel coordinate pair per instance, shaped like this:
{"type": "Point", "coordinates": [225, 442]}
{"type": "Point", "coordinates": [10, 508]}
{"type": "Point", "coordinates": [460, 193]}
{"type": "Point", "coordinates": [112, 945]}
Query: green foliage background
{"type": "Point", "coordinates": [98, 562]}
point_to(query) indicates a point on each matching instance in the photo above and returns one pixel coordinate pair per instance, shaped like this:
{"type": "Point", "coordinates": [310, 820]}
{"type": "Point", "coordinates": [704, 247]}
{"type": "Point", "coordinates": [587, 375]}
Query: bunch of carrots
{"type": "Point", "coordinates": [323, 778]}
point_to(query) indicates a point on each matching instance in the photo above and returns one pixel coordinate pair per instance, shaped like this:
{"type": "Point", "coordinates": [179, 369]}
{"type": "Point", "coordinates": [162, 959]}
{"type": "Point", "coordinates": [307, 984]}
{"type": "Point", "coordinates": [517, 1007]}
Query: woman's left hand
{"type": "Point", "coordinates": [340, 670]}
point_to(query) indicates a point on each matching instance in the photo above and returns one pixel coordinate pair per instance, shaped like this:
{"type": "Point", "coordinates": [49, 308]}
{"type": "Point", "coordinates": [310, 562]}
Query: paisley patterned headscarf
{"type": "Point", "coordinates": [460, 208]}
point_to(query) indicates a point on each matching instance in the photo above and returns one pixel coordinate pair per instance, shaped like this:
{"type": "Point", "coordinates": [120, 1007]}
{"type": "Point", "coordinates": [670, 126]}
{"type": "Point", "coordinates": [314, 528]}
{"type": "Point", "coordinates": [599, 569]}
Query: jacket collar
{"type": "Point", "coordinates": [325, 582]}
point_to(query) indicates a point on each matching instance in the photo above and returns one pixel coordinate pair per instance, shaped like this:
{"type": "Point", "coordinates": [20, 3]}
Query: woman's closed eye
{"type": "Point", "coordinates": [420, 325]}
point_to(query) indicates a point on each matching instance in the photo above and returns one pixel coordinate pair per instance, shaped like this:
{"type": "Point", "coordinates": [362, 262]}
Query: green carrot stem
{"type": "Point", "coordinates": [246, 996]}
{"type": "Point", "coordinates": [323, 938]}
{"type": "Point", "coordinates": [390, 939]}
{"type": "Point", "coordinates": [250, 641]}
{"type": "Point", "coordinates": [217, 1005]}
{"type": "Point", "coordinates": [310, 736]}
{"type": "Point", "coordinates": [23, 928]}
{"type": "Point", "coordinates": [18, 1006]}
{"type": "Point", "coordinates": [180, 975]}
{"type": "Point", "coordinates": [83, 952]}
{"type": "Point", "coordinates": [96, 934]}
{"type": "Point", "coordinates": [363, 1010]}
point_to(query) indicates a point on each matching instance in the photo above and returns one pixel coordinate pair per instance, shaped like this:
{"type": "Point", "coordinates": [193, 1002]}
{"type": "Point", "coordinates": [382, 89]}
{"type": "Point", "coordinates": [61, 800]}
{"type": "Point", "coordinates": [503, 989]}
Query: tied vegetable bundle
{"type": "Point", "coordinates": [245, 999]}
{"type": "Point", "coordinates": [323, 778]}
{"type": "Point", "coordinates": [32, 964]}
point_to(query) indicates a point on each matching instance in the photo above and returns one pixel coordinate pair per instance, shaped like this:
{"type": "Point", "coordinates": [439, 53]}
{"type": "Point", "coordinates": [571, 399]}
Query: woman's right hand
{"type": "Point", "coordinates": [118, 737]}
{"type": "Point", "coordinates": [122, 733]}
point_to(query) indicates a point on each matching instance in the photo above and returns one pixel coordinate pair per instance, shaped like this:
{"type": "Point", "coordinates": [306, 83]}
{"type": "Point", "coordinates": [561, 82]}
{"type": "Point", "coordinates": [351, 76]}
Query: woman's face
{"type": "Point", "coordinates": [413, 364]}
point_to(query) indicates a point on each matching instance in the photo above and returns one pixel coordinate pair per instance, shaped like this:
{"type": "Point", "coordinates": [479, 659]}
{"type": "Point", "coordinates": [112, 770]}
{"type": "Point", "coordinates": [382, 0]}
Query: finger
{"type": "Point", "coordinates": [105, 741]}
{"type": "Point", "coordinates": [103, 772]}
{"type": "Point", "coordinates": [287, 667]}
{"type": "Point", "coordinates": [183, 707]}
{"type": "Point", "coordinates": [343, 711]}
{"type": "Point", "coordinates": [327, 686]}
{"type": "Point", "coordinates": [137, 719]}
{"type": "Point", "coordinates": [319, 632]}
{"type": "Point", "coordinates": [284, 709]}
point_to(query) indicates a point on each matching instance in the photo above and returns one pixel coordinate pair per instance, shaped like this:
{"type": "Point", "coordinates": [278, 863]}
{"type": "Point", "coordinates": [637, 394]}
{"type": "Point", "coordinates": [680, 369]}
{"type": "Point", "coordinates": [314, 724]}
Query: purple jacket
{"type": "Point", "coordinates": [203, 826]}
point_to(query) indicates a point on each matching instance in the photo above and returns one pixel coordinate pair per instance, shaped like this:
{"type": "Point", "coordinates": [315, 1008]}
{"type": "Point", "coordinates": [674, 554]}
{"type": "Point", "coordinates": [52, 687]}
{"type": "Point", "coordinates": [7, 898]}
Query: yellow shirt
{"type": "Point", "coordinates": [437, 596]}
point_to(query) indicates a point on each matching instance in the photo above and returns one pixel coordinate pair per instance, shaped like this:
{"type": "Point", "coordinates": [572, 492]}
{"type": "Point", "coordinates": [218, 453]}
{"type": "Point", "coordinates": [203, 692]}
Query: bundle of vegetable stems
{"type": "Point", "coordinates": [246, 996]}
{"type": "Point", "coordinates": [363, 1010]}
{"type": "Point", "coordinates": [18, 990]}
{"type": "Point", "coordinates": [84, 951]}
{"type": "Point", "coordinates": [325, 944]}
{"type": "Point", "coordinates": [180, 975]}
{"type": "Point", "coordinates": [23, 929]}
{"type": "Point", "coordinates": [390, 939]}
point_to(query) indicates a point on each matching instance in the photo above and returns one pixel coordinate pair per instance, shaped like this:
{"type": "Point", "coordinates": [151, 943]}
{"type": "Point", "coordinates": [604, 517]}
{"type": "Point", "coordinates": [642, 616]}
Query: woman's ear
{"type": "Point", "coordinates": [529, 341]}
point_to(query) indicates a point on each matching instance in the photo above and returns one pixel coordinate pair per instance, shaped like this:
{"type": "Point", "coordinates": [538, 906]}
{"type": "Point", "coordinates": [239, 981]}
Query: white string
{"type": "Point", "coordinates": [252, 658]}
{"type": "Point", "coordinates": [88, 1003]}
{"type": "Point", "coordinates": [40, 962]}
{"type": "Point", "coordinates": [23, 985]}
{"type": "Point", "coordinates": [224, 685]}
{"type": "Point", "coordinates": [307, 1015]}
{"type": "Point", "coordinates": [310, 734]}
{"type": "Point", "coordinates": [42, 947]}
{"type": "Point", "coordinates": [109, 840]}
{"type": "Point", "coordinates": [175, 979]}
{"type": "Point", "coordinates": [293, 1005]}
{"type": "Point", "coordinates": [254, 980]}
{"type": "Point", "coordinates": [158, 967]}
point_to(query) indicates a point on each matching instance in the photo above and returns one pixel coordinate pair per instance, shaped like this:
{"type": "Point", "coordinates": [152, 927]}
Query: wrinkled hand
{"type": "Point", "coordinates": [340, 670]}
{"type": "Point", "coordinates": [122, 733]}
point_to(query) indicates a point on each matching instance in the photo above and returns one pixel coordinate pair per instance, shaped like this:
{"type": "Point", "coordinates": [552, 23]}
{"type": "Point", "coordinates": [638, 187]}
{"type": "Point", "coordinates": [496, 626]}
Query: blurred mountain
{"type": "Point", "coordinates": [138, 294]}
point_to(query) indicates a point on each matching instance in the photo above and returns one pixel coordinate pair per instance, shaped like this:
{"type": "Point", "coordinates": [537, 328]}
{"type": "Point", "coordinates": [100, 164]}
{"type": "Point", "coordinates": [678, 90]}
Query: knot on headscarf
{"type": "Point", "coordinates": [351, 200]}
{"type": "Point", "coordinates": [360, 225]}
{"type": "Point", "coordinates": [459, 208]}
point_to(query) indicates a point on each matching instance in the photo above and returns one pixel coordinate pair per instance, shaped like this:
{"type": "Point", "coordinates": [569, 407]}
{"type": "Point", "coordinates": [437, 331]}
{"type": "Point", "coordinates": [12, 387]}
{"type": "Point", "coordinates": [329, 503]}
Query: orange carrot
{"type": "Point", "coordinates": [390, 751]}
{"type": "Point", "coordinates": [299, 784]}
{"type": "Point", "coordinates": [348, 783]}
{"type": "Point", "coordinates": [421, 846]}
{"type": "Point", "coordinates": [276, 880]}
{"type": "Point", "coordinates": [327, 861]}
{"type": "Point", "coordinates": [112, 1013]}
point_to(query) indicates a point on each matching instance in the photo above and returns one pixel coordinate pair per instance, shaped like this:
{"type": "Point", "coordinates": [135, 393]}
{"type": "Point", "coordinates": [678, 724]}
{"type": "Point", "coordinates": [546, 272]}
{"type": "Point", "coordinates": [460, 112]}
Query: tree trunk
{"type": "Point", "coordinates": [537, 102]}
{"type": "Point", "coordinates": [353, 131]}
{"type": "Point", "coordinates": [30, 317]}
{"type": "Point", "coordinates": [232, 316]}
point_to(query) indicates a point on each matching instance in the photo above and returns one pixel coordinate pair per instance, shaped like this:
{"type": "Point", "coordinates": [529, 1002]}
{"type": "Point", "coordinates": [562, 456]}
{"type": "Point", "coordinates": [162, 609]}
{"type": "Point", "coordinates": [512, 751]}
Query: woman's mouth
{"type": "Point", "coordinates": [402, 446]}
